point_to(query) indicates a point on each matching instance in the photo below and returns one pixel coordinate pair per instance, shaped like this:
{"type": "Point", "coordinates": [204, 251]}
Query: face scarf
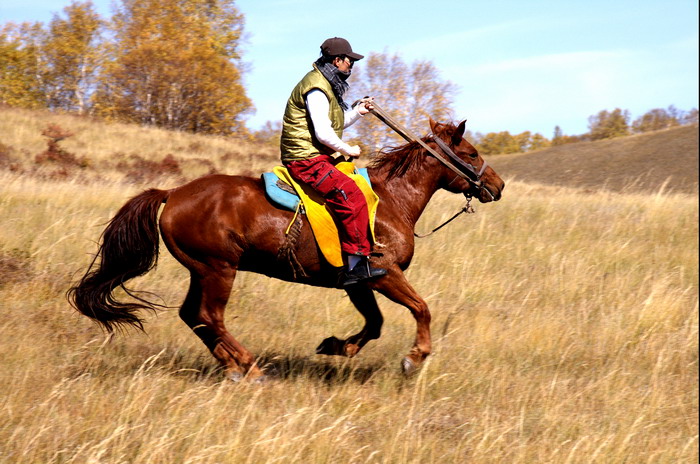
{"type": "Point", "coordinates": [336, 78]}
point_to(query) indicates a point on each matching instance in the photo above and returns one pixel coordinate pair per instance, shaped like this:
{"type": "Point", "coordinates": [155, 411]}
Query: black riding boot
{"type": "Point", "coordinates": [361, 272]}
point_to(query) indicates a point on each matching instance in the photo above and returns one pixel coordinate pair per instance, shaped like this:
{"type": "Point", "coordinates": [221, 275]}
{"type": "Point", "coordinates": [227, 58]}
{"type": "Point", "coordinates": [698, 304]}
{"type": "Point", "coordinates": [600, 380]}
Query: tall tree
{"type": "Point", "coordinates": [690, 117]}
{"type": "Point", "coordinates": [175, 64]}
{"type": "Point", "coordinates": [656, 119]}
{"type": "Point", "coordinates": [430, 96]}
{"type": "Point", "coordinates": [538, 141]}
{"type": "Point", "coordinates": [609, 124]}
{"type": "Point", "coordinates": [410, 93]}
{"type": "Point", "coordinates": [269, 133]}
{"type": "Point", "coordinates": [558, 137]}
{"type": "Point", "coordinates": [495, 143]}
{"type": "Point", "coordinates": [22, 68]}
{"type": "Point", "coordinates": [71, 51]}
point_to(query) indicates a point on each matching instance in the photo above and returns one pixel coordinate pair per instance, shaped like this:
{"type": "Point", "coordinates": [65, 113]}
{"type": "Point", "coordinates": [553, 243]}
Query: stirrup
{"type": "Point", "coordinates": [363, 271]}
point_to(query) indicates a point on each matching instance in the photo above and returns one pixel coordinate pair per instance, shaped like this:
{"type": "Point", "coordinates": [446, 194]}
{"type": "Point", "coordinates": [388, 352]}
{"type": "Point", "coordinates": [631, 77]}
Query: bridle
{"type": "Point", "coordinates": [448, 157]}
{"type": "Point", "coordinates": [463, 169]}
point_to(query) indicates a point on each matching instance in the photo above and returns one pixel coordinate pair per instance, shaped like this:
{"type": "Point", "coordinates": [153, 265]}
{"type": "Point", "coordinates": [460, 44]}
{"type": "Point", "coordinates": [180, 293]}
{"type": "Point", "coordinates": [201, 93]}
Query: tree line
{"type": "Point", "coordinates": [177, 64]}
{"type": "Point", "coordinates": [603, 125]}
{"type": "Point", "coordinates": [170, 63]}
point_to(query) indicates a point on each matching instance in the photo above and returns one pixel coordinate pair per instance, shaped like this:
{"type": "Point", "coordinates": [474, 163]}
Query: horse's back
{"type": "Point", "coordinates": [216, 185]}
{"type": "Point", "coordinates": [221, 214]}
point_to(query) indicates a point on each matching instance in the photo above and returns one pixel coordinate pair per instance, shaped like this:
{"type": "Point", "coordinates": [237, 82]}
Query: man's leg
{"type": "Point", "coordinates": [349, 206]}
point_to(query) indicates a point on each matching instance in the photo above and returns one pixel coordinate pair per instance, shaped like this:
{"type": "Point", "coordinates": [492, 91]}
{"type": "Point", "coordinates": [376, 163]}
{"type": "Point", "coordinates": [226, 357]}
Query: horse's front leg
{"type": "Point", "coordinates": [395, 287]}
{"type": "Point", "coordinates": [363, 299]}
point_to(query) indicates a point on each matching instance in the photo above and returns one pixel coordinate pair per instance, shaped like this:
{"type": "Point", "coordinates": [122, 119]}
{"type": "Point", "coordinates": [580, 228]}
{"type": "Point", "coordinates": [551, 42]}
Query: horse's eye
{"type": "Point", "coordinates": [473, 155]}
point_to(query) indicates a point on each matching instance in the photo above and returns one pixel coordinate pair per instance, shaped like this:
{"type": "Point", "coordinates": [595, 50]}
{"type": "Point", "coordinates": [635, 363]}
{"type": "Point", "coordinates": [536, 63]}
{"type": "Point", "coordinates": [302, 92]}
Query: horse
{"type": "Point", "coordinates": [218, 225]}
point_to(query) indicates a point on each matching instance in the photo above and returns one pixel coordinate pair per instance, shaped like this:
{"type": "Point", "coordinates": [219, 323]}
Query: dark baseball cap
{"type": "Point", "coordinates": [338, 46]}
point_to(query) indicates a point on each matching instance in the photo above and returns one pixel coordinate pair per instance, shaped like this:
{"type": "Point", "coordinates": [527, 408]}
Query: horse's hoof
{"type": "Point", "coordinates": [238, 377]}
{"type": "Point", "coordinates": [234, 376]}
{"type": "Point", "coordinates": [263, 379]}
{"type": "Point", "coordinates": [408, 366]}
{"type": "Point", "coordinates": [331, 346]}
{"type": "Point", "coordinates": [351, 350]}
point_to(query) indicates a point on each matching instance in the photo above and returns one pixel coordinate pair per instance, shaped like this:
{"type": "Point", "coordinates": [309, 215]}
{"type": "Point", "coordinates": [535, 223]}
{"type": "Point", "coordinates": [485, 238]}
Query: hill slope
{"type": "Point", "coordinates": [640, 163]}
{"type": "Point", "coordinates": [99, 151]}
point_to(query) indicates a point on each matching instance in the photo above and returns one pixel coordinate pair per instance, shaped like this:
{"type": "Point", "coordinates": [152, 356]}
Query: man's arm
{"type": "Point", "coordinates": [318, 106]}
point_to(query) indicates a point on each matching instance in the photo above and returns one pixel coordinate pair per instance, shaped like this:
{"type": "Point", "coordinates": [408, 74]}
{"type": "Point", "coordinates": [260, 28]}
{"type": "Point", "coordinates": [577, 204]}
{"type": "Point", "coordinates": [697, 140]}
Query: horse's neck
{"type": "Point", "coordinates": [408, 195]}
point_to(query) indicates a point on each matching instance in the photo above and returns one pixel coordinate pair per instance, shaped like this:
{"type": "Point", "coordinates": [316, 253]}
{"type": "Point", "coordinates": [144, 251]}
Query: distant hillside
{"type": "Point", "coordinates": [640, 163]}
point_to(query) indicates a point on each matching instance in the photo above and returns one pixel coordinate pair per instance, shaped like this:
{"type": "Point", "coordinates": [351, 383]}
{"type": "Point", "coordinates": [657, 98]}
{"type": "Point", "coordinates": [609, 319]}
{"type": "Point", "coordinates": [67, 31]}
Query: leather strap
{"type": "Point", "coordinates": [470, 175]}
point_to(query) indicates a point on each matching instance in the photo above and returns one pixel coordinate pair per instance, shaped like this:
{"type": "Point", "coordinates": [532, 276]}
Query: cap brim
{"type": "Point", "coordinates": [355, 56]}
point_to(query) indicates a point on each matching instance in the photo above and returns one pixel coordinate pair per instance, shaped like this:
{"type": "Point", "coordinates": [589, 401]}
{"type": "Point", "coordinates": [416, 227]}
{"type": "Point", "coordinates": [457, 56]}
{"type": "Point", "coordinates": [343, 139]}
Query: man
{"type": "Point", "coordinates": [312, 128]}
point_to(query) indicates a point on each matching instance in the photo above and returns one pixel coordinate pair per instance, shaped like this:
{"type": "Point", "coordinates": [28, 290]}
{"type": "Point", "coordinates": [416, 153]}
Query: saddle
{"type": "Point", "coordinates": [285, 192]}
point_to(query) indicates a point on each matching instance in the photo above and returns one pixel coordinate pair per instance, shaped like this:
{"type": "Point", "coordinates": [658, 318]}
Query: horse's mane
{"type": "Point", "coordinates": [398, 160]}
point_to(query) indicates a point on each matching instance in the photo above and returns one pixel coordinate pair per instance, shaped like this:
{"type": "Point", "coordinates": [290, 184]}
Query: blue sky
{"type": "Point", "coordinates": [518, 65]}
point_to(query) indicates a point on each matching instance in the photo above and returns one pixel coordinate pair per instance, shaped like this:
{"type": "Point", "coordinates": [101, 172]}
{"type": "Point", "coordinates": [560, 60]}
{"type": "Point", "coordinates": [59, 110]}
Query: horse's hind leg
{"type": "Point", "coordinates": [363, 299]}
{"type": "Point", "coordinates": [203, 311]}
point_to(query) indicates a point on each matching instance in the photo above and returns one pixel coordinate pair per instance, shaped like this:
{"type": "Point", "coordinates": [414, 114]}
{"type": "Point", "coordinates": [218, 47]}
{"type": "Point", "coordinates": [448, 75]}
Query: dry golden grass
{"type": "Point", "coordinates": [565, 329]}
{"type": "Point", "coordinates": [116, 152]}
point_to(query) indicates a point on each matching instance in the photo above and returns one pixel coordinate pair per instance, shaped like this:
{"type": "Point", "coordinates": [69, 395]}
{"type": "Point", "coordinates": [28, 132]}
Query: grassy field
{"type": "Point", "coordinates": [565, 324]}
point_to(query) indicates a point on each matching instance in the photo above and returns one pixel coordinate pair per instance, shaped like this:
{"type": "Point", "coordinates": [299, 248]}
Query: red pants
{"type": "Point", "coordinates": [343, 197]}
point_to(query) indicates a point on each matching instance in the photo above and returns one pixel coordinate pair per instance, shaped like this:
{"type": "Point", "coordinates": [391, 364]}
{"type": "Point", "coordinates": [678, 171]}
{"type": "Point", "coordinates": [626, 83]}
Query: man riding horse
{"type": "Point", "coordinates": [313, 125]}
{"type": "Point", "coordinates": [219, 225]}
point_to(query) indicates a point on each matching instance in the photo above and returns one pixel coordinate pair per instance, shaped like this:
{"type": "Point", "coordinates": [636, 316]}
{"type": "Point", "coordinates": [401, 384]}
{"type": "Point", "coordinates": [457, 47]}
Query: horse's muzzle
{"type": "Point", "coordinates": [489, 193]}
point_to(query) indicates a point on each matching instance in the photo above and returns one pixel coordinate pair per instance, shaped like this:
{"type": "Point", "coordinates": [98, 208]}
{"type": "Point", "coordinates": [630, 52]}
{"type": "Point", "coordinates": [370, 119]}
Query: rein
{"type": "Point", "coordinates": [464, 170]}
{"type": "Point", "coordinates": [467, 209]}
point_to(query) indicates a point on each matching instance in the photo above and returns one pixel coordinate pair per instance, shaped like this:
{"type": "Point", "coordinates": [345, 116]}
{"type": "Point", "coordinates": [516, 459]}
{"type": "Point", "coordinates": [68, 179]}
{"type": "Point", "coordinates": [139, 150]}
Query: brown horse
{"type": "Point", "coordinates": [220, 224]}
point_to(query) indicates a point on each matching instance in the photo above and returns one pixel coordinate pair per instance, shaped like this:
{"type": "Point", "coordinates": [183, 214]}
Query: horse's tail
{"type": "Point", "coordinates": [129, 249]}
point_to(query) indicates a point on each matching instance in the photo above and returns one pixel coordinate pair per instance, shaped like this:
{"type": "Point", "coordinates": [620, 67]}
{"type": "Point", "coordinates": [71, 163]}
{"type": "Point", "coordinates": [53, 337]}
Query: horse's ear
{"type": "Point", "coordinates": [433, 125]}
{"type": "Point", "coordinates": [459, 133]}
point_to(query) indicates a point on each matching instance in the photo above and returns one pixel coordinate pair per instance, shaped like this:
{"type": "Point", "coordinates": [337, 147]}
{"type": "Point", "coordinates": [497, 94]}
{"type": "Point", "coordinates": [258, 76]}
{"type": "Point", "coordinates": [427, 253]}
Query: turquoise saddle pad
{"type": "Point", "coordinates": [287, 199]}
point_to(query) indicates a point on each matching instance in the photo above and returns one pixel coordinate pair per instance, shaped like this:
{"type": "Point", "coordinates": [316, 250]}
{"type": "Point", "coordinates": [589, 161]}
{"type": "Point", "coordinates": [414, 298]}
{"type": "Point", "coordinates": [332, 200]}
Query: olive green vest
{"type": "Point", "coordinates": [298, 139]}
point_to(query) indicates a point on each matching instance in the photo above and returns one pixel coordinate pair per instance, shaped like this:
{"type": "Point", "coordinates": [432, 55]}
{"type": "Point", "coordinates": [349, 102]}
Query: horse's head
{"type": "Point", "coordinates": [471, 175]}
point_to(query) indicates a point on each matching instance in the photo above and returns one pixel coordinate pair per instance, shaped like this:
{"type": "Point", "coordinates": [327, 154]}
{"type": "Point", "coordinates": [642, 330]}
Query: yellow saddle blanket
{"type": "Point", "coordinates": [322, 223]}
